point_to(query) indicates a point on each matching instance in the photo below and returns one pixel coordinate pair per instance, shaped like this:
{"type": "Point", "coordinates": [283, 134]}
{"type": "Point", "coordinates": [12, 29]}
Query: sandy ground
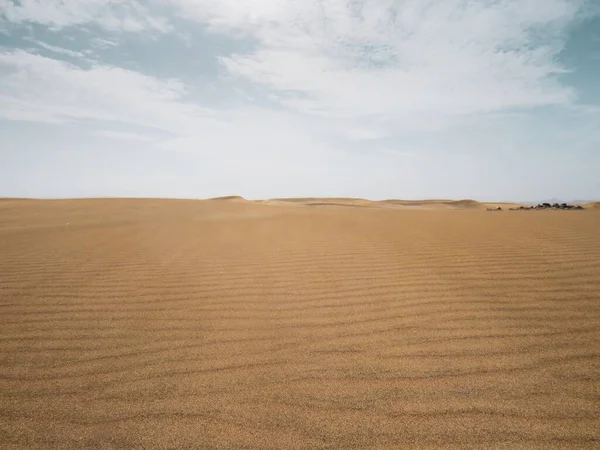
{"type": "Point", "coordinates": [297, 324]}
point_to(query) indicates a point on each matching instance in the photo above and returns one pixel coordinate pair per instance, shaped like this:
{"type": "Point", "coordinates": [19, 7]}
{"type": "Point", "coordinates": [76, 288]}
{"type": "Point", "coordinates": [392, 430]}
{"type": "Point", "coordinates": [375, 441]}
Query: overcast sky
{"type": "Point", "coordinates": [490, 99]}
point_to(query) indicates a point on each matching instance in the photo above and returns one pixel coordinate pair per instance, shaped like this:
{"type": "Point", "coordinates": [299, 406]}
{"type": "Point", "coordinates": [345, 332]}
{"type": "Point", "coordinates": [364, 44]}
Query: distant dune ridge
{"type": "Point", "coordinates": [423, 204]}
{"type": "Point", "coordinates": [297, 323]}
{"type": "Point", "coordinates": [595, 205]}
{"type": "Point", "coordinates": [471, 204]}
{"type": "Point", "coordinates": [344, 201]}
{"type": "Point", "coordinates": [230, 197]}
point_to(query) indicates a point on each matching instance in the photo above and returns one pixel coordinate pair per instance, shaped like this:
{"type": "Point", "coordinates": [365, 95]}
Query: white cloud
{"type": "Point", "coordinates": [113, 15]}
{"type": "Point", "coordinates": [398, 61]}
{"type": "Point", "coordinates": [59, 50]}
{"type": "Point", "coordinates": [103, 43]}
{"type": "Point", "coordinates": [37, 88]}
{"type": "Point", "coordinates": [372, 68]}
{"type": "Point", "coordinates": [386, 64]}
{"type": "Point", "coordinates": [124, 135]}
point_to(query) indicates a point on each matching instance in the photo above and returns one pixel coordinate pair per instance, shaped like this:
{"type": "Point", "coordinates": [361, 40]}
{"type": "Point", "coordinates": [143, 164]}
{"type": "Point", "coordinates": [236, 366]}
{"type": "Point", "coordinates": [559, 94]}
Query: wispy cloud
{"type": "Point", "coordinates": [59, 50]}
{"type": "Point", "coordinates": [123, 15]}
{"type": "Point", "coordinates": [393, 60]}
{"type": "Point", "coordinates": [41, 89]}
{"type": "Point", "coordinates": [389, 64]}
{"type": "Point", "coordinates": [124, 135]}
{"type": "Point", "coordinates": [45, 89]}
{"type": "Point", "coordinates": [104, 43]}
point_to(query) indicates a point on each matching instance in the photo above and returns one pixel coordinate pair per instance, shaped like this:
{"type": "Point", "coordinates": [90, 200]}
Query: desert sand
{"type": "Point", "coordinates": [297, 324]}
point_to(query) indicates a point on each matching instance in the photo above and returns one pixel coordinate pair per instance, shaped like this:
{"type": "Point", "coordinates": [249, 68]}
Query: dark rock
{"type": "Point", "coordinates": [563, 206]}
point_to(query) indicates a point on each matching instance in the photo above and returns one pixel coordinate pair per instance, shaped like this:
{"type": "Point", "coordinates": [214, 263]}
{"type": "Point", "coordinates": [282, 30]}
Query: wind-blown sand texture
{"type": "Point", "coordinates": [306, 324]}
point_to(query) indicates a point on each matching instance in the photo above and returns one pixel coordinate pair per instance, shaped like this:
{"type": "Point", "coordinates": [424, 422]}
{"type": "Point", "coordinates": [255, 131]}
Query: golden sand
{"type": "Point", "coordinates": [313, 324]}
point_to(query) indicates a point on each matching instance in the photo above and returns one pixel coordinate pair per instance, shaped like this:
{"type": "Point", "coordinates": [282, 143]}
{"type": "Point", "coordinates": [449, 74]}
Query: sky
{"type": "Point", "coordinates": [495, 100]}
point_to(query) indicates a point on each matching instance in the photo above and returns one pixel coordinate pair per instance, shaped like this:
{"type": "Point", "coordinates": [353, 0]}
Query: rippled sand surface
{"type": "Point", "coordinates": [307, 324]}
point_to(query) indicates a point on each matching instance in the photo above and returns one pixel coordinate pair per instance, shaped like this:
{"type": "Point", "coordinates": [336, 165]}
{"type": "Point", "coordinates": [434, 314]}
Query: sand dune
{"type": "Point", "coordinates": [230, 198]}
{"type": "Point", "coordinates": [391, 203]}
{"type": "Point", "coordinates": [440, 204]}
{"type": "Point", "coordinates": [359, 202]}
{"type": "Point", "coordinates": [297, 324]}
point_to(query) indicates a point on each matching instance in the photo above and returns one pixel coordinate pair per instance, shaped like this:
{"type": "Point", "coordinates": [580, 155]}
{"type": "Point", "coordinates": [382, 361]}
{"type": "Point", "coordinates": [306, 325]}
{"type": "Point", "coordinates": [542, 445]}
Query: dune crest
{"type": "Point", "coordinates": [594, 205]}
{"type": "Point", "coordinates": [360, 202]}
{"type": "Point", "coordinates": [435, 204]}
{"type": "Point", "coordinates": [229, 198]}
